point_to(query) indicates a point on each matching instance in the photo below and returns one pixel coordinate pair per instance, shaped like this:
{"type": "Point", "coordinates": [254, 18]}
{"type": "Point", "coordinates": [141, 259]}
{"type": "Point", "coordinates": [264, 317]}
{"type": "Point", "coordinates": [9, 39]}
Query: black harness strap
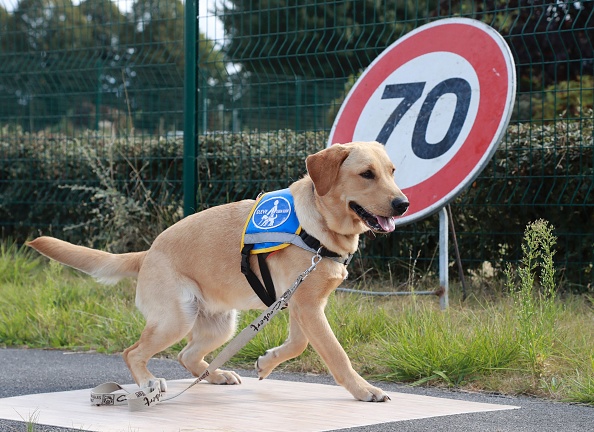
{"type": "Point", "coordinates": [266, 291]}
{"type": "Point", "coordinates": [315, 244]}
{"type": "Point", "coordinates": [265, 272]}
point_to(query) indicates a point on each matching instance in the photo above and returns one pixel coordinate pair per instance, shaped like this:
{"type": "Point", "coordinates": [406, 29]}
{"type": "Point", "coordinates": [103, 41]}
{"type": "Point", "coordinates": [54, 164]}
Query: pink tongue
{"type": "Point", "coordinates": [387, 224]}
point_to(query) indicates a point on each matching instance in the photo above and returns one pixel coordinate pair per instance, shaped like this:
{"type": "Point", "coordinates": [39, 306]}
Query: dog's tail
{"type": "Point", "coordinates": [105, 267]}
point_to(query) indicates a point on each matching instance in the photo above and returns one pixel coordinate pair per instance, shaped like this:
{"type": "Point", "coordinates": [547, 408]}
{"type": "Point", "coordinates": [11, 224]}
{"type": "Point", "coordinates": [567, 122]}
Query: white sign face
{"type": "Point", "coordinates": [439, 99]}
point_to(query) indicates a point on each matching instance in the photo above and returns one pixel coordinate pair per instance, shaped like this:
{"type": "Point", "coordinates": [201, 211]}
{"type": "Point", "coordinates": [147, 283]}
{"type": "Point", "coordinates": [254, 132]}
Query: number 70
{"type": "Point", "coordinates": [412, 92]}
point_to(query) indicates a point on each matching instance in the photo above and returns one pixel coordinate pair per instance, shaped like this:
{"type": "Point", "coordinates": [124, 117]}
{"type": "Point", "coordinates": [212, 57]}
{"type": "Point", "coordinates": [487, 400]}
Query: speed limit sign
{"type": "Point", "coordinates": [439, 99]}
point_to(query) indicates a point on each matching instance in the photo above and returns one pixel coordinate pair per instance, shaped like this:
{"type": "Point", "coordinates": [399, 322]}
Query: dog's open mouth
{"type": "Point", "coordinates": [380, 224]}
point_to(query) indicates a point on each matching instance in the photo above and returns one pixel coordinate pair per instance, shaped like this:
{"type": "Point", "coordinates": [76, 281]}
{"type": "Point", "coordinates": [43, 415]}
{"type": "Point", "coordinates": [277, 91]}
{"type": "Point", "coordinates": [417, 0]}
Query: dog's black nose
{"type": "Point", "coordinates": [400, 205]}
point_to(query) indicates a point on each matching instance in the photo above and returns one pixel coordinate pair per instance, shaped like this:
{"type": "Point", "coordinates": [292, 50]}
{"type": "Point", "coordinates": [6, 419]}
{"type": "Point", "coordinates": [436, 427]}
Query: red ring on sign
{"type": "Point", "coordinates": [493, 81]}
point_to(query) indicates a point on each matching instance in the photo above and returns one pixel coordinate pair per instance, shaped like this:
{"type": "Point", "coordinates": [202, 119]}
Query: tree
{"type": "Point", "coordinates": [49, 25]}
{"type": "Point", "coordinates": [8, 102]}
{"type": "Point", "coordinates": [315, 38]}
{"type": "Point", "coordinates": [105, 24]}
{"type": "Point", "coordinates": [550, 41]}
{"type": "Point", "coordinates": [78, 65]}
{"type": "Point", "coordinates": [4, 25]}
{"type": "Point", "coordinates": [298, 53]}
{"type": "Point", "coordinates": [105, 59]}
{"type": "Point", "coordinates": [42, 62]}
{"type": "Point", "coordinates": [157, 44]}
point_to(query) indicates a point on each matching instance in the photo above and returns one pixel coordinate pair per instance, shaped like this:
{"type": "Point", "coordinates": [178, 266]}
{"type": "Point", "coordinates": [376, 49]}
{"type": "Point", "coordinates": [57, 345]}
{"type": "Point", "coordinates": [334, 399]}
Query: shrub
{"type": "Point", "coordinates": [566, 98]}
{"type": "Point", "coordinates": [121, 193]}
{"type": "Point", "coordinates": [536, 310]}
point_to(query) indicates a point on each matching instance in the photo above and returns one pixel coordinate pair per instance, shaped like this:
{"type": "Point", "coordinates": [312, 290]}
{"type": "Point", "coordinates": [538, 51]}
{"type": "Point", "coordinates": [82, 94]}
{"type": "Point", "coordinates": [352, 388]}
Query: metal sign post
{"type": "Point", "coordinates": [444, 300]}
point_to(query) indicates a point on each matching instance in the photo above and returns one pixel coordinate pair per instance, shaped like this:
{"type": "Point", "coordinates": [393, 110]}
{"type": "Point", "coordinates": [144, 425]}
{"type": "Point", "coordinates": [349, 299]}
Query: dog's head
{"type": "Point", "coordinates": [355, 187]}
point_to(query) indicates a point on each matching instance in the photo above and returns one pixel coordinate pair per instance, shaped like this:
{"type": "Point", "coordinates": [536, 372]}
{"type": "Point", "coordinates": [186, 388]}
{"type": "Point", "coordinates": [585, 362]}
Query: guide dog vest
{"type": "Point", "coordinates": [273, 225]}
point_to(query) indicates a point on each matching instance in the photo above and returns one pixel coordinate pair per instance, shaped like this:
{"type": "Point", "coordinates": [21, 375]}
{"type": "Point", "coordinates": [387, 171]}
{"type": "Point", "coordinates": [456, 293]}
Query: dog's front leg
{"type": "Point", "coordinates": [312, 320]}
{"type": "Point", "coordinates": [291, 348]}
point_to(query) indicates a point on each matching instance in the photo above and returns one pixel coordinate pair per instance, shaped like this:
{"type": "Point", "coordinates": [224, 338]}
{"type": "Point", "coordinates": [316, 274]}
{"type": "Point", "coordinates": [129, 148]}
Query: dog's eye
{"type": "Point", "coordinates": [368, 175]}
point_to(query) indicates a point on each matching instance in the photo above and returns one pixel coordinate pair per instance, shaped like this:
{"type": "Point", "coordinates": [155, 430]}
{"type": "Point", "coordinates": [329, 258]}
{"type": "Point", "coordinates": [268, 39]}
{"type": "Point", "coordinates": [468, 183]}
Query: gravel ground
{"type": "Point", "coordinates": [35, 371]}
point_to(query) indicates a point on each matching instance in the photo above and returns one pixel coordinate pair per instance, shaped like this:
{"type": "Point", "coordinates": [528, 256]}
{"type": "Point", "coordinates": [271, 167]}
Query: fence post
{"type": "Point", "coordinates": [190, 135]}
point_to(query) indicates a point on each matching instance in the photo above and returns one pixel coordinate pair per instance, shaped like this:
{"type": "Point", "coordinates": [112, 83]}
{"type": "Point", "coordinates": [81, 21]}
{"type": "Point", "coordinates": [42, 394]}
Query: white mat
{"type": "Point", "coordinates": [267, 405]}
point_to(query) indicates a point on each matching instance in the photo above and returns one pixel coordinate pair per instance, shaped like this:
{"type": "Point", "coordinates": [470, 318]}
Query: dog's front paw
{"type": "Point", "coordinates": [224, 377]}
{"type": "Point", "coordinates": [264, 366]}
{"type": "Point", "coordinates": [372, 394]}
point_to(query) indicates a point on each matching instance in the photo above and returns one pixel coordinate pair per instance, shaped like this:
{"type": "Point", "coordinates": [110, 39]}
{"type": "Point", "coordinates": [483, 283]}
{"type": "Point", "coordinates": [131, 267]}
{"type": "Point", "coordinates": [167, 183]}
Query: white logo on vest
{"type": "Point", "coordinates": [272, 213]}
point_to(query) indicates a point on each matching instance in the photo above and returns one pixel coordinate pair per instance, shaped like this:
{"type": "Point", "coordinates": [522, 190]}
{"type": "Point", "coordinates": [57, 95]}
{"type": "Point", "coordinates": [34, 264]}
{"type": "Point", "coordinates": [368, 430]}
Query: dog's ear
{"type": "Point", "coordinates": [324, 165]}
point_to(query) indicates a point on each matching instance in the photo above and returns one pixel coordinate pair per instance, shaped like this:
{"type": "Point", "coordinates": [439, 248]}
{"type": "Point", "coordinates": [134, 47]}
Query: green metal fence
{"type": "Point", "coordinates": [92, 109]}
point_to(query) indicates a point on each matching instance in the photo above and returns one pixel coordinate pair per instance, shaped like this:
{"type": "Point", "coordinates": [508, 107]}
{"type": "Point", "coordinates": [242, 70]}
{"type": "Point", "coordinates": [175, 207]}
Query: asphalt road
{"type": "Point", "coordinates": [35, 371]}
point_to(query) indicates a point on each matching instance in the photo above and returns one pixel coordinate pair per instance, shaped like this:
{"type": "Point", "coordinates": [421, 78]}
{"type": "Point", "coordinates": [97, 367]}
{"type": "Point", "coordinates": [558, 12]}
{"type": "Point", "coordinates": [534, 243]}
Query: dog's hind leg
{"type": "Point", "coordinates": [291, 348]}
{"type": "Point", "coordinates": [169, 307]}
{"type": "Point", "coordinates": [210, 331]}
{"type": "Point", "coordinates": [156, 337]}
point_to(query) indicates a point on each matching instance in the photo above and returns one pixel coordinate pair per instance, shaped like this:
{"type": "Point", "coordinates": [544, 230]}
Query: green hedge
{"type": "Point", "coordinates": [121, 193]}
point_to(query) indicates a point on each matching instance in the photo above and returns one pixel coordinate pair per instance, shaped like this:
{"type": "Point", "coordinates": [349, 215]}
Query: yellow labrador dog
{"type": "Point", "coordinates": [190, 284]}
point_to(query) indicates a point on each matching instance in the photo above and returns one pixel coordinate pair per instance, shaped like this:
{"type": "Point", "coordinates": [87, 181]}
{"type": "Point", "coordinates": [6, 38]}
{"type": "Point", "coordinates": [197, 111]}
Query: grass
{"type": "Point", "coordinates": [526, 340]}
{"type": "Point", "coordinates": [32, 421]}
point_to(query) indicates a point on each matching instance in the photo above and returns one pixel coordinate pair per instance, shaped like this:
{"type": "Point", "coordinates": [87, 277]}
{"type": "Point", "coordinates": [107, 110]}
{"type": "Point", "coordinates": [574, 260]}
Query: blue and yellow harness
{"type": "Point", "coordinates": [273, 225]}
